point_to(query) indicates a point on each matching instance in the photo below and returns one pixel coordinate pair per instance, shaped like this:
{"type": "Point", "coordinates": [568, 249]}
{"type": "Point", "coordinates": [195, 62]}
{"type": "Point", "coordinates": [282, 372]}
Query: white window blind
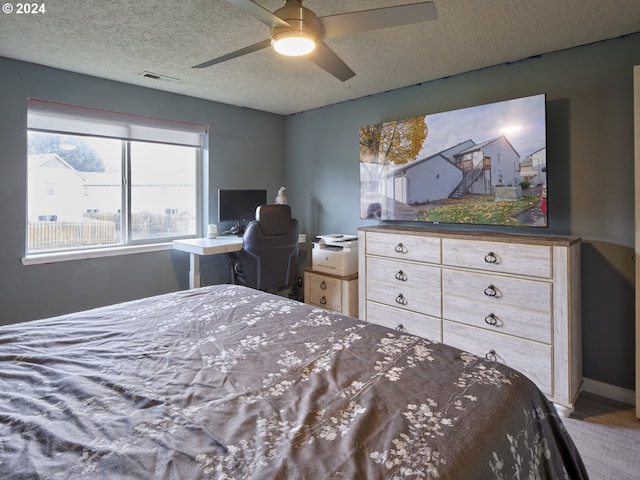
{"type": "Point", "coordinates": [46, 115]}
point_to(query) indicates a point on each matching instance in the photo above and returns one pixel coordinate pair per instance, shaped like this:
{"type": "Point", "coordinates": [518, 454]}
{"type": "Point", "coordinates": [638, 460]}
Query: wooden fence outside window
{"type": "Point", "coordinates": [99, 229]}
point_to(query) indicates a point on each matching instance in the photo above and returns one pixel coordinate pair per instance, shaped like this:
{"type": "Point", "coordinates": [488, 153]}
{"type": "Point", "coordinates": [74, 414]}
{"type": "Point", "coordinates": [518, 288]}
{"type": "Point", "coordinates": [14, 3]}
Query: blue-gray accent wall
{"type": "Point", "coordinates": [589, 92]}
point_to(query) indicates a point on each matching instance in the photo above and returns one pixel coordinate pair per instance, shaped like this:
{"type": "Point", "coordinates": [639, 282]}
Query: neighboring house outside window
{"type": "Point", "coordinates": [103, 179]}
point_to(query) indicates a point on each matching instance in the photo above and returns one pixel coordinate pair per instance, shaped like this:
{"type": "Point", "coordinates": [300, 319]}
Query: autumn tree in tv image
{"type": "Point", "coordinates": [484, 164]}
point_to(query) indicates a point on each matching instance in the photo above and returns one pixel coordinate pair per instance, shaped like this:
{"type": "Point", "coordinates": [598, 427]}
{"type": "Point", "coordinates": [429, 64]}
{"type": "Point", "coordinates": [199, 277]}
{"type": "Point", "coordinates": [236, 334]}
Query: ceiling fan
{"type": "Point", "coordinates": [297, 31]}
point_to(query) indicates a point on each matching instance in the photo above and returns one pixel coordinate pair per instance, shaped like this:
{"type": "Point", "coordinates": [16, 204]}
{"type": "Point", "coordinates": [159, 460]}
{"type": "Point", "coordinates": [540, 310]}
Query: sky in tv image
{"type": "Point", "coordinates": [521, 120]}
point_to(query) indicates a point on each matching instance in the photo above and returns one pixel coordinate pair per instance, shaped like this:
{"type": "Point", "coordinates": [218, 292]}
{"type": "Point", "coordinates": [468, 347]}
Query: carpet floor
{"type": "Point", "coordinates": [607, 434]}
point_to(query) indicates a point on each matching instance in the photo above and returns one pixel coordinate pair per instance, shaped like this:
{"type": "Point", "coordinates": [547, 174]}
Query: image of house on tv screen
{"type": "Point", "coordinates": [480, 165]}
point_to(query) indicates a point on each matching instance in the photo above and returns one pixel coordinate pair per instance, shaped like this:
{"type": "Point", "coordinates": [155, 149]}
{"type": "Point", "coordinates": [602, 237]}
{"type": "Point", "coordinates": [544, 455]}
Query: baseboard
{"type": "Point", "coordinates": [609, 391]}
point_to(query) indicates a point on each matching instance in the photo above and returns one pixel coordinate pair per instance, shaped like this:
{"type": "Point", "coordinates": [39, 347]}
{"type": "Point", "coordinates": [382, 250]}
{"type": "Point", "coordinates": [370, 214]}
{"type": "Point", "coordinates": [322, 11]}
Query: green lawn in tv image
{"type": "Point", "coordinates": [483, 210]}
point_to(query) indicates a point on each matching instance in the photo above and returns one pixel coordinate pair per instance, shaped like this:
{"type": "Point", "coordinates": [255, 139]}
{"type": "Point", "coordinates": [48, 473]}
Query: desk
{"type": "Point", "coordinates": [205, 246]}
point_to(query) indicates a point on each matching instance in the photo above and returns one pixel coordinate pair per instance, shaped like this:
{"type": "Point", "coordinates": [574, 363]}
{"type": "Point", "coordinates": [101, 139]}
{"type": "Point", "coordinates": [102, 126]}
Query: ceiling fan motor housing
{"type": "Point", "coordinates": [297, 16]}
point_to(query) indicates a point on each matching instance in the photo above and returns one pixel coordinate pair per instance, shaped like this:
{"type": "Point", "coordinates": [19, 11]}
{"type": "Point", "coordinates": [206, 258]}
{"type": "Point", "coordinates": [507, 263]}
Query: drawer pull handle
{"type": "Point", "coordinates": [323, 285]}
{"type": "Point", "coordinates": [491, 355]}
{"type": "Point", "coordinates": [323, 300]}
{"type": "Point", "coordinates": [491, 258]}
{"type": "Point", "coordinates": [400, 300]}
{"type": "Point", "coordinates": [490, 291]}
{"type": "Point", "coordinates": [491, 320]}
{"type": "Point", "coordinates": [400, 248]}
{"type": "Point", "coordinates": [401, 276]}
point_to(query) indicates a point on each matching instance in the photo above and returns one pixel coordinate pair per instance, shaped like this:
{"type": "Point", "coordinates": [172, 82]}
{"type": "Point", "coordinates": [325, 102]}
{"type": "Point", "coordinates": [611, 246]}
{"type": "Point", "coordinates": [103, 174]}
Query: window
{"type": "Point", "coordinates": [104, 179]}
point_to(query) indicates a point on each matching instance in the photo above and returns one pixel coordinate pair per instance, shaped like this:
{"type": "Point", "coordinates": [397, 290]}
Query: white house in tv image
{"type": "Point", "coordinates": [539, 166]}
{"type": "Point", "coordinates": [466, 168]}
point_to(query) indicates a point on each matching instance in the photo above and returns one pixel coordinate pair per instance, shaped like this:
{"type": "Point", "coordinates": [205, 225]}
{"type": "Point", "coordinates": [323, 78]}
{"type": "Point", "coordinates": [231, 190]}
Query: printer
{"type": "Point", "coordinates": [336, 253]}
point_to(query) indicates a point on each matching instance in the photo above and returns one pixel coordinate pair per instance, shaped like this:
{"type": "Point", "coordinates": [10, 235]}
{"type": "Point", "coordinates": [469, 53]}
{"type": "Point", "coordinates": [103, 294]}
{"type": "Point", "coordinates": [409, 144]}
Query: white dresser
{"type": "Point", "coordinates": [512, 298]}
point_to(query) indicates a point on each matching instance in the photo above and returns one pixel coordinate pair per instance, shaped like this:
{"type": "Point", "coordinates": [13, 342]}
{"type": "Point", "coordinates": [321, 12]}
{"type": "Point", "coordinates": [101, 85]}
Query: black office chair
{"type": "Point", "coordinates": [268, 259]}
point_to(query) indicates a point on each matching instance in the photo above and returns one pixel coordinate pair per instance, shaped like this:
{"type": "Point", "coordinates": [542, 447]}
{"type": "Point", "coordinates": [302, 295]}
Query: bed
{"type": "Point", "coordinates": [226, 382]}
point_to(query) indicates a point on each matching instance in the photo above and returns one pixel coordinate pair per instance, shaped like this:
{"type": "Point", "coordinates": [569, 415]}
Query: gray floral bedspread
{"type": "Point", "coordinates": [229, 383]}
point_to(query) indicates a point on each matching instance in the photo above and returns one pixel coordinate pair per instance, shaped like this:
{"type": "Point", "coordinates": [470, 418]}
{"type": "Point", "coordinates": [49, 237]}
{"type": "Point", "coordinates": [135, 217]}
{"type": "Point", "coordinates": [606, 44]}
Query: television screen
{"type": "Point", "coordinates": [239, 205]}
{"type": "Point", "coordinates": [480, 165]}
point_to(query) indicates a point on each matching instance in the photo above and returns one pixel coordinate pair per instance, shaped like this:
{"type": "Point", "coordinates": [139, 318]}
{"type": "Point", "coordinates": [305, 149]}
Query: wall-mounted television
{"type": "Point", "coordinates": [483, 165]}
{"type": "Point", "coordinates": [239, 206]}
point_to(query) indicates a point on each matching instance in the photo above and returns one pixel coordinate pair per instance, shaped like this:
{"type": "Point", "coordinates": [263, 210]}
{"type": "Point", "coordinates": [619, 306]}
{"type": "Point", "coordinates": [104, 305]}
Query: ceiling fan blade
{"type": "Point", "coordinates": [238, 53]}
{"type": "Point", "coordinates": [261, 13]}
{"type": "Point", "coordinates": [327, 59]}
{"type": "Point", "coordinates": [366, 20]}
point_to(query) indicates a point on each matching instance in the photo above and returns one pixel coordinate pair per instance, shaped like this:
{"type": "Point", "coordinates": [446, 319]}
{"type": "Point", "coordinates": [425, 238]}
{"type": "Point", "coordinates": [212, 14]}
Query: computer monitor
{"type": "Point", "coordinates": [239, 206]}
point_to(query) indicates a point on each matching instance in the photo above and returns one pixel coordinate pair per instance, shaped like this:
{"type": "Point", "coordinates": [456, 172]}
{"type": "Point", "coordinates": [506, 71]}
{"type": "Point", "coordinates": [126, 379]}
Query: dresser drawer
{"type": "Point", "coordinates": [324, 291]}
{"type": "Point", "coordinates": [522, 259]}
{"type": "Point", "coordinates": [498, 290]}
{"type": "Point", "coordinates": [403, 274]}
{"type": "Point", "coordinates": [533, 359]}
{"type": "Point", "coordinates": [497, 317]}
{"type": "Point", "coordinates": [404, 247]}
{"type": "Point", "coordinates": [415, 323]}
{"type": "Point", "coordinates": [406, 298]}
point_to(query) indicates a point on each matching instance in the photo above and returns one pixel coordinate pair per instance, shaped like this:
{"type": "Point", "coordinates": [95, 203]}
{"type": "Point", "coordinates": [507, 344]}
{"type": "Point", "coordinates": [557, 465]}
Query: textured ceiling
{"type": "Point", "coordinates": [121, 39]}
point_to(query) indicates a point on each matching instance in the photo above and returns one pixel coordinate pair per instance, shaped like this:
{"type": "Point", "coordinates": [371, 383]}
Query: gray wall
{"type": "Point", "coordinates": [246, 150]}
{"type": "Point", "coordinates": [590, 159]}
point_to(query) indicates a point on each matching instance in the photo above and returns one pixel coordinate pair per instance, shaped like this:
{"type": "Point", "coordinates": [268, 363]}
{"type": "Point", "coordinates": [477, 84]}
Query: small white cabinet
{"type": "Point", "coordinates": [512, 298]}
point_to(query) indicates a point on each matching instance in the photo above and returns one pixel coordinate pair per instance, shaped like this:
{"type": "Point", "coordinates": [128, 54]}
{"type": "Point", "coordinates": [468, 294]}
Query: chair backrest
{"type": "Point", "coordinates": [269, 256]}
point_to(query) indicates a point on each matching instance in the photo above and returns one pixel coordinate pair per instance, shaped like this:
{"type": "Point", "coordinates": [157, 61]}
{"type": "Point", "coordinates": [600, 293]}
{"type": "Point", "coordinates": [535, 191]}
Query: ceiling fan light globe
{"type": "Point", "coordinates": [293, 44]}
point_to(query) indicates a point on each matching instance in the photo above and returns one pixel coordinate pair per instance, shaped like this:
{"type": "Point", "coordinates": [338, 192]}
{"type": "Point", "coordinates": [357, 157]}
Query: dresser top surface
{"type": "Point", "coordinates": [472, 235]}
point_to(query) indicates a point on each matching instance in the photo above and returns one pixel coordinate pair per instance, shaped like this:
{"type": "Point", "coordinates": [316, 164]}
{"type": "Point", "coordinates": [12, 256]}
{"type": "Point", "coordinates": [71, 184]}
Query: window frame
{"type": "Point", "coordinates": [127, 128]}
